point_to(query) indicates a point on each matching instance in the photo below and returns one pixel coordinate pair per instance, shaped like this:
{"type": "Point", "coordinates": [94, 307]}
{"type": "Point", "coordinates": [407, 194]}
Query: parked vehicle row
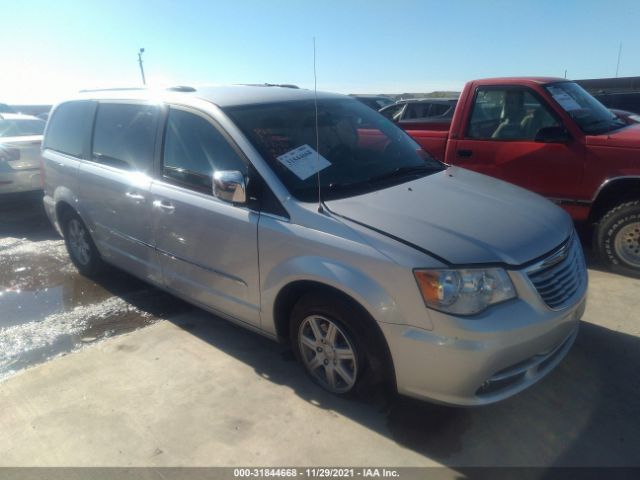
{"type": "Point", "coordinates": [422, 114]}
{"type": "Point", "coordinates": [626, 116]}
{"type": "Point", "coordinates": [324, 225]}
{"type": "Point", "coordinates": [629, 101]}
{"type": "Point", "coordinates": [550, 136]}
{"type": "Point", "coordinates": [374, 101]}
{"type": "Point", "coordinates": [4, 108]}
{"type": "Point", "coordinates": [20, 141]}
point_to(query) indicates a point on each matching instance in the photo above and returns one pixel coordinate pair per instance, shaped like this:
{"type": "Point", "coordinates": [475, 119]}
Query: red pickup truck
{"type": "Point", "coordinates": [550, 136]}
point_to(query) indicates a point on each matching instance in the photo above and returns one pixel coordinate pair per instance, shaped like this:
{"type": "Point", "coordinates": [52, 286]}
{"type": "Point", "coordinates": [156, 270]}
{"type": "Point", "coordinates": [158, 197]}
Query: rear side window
{"type": "Point", "coordinates": [193, 149]}
{"type": "Point", "coordinates": [438, 109]}
{"type": "Point", "coordinates": [69, 127]}
{"type": "Point", "coordinates": [124, 136]}
{"type": "Point", "coordinates": [416, 110]}
{"type": "Point", "coordinates": [393, 113]}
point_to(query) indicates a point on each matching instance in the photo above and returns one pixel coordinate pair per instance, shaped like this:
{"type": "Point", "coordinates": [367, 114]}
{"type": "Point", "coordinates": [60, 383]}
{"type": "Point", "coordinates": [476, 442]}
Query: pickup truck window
{"type": "Point", "coordinates": [508, 114]}
{"type": "Point", "coordinates": [365, 151]}
{"type": "Point", "coordinates": [590, 115]}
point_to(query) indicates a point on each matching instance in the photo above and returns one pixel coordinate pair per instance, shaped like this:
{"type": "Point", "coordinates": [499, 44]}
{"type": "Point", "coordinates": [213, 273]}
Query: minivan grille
{"type": "Point", "coordinates": [561, 275]}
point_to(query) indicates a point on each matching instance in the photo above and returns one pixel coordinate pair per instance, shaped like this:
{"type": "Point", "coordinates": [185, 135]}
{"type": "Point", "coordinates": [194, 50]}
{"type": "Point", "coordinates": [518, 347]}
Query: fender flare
{"type": "Point", "coordinates": [353, 283]}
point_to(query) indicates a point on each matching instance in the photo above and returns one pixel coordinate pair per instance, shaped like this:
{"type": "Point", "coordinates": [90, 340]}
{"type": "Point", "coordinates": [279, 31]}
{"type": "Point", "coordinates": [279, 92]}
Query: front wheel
{"type": "Point", "coordinates": [618, 239]}
{"type": "Point", "coordinates": [325, 344]}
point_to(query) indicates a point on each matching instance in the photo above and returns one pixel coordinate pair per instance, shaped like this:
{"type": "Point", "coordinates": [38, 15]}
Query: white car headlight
{"type": "Point", "coordinates": [464, 292]}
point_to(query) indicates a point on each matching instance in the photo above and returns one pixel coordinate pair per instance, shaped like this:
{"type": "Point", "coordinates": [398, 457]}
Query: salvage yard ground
{"type": "Point", "coordinates": [190, 389]}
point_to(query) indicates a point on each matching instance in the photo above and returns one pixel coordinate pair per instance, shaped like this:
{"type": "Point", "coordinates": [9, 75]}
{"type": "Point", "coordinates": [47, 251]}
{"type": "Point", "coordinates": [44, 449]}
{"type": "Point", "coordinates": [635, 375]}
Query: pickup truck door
{"type": "Point", "coordinates": [499, 140]}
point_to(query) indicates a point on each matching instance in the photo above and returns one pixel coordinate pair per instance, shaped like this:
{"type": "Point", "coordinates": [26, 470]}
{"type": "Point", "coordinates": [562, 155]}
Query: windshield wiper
{"type": "Point", "coordinates": [403, 172]}
{"type": "Point", "coordinates": [346, 186]}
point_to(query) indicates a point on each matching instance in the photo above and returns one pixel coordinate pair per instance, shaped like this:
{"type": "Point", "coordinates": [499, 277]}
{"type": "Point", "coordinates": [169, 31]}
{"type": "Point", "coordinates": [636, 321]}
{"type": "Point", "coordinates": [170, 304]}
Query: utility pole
{"type": "Point", "coordinates": [144, 81]}
{"type": "Point", "coordinates": [565, 73]}
{"type": "Point", "coordinates": [618, 64]}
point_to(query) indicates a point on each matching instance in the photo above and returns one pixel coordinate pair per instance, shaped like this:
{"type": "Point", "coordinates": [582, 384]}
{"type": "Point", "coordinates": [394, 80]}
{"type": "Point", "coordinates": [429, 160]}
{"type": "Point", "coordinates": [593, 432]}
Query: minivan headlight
{"type": "Point", "coordinates": [464, 292]}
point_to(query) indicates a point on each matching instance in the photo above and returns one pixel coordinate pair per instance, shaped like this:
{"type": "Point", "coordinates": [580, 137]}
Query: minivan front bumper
{"type": "Point", "coordinates": [484, 360]}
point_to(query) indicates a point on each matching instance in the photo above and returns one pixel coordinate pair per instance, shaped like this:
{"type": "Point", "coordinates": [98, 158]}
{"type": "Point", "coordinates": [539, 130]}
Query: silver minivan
{"type": "Point", "coordinates": [315, 220]}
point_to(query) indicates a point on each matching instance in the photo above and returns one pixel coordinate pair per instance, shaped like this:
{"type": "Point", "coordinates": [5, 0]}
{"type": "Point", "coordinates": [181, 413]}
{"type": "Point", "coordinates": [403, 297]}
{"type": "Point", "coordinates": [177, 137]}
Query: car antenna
{"type": "Point", "coordinates": [315, 102]}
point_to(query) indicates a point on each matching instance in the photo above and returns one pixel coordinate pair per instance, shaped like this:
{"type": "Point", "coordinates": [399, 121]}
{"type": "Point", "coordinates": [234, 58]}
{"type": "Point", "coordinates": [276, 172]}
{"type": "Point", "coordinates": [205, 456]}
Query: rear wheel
{"type": "Point", "coordinates": [82, 250]}
{"type": "Point", "coordinates": [618, 239]}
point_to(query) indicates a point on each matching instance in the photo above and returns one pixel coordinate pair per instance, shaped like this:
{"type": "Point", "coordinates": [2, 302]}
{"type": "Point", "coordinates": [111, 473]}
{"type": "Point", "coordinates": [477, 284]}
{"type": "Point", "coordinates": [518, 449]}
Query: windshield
{"type": "Point", "coordinates": [360, 150]}
{"type": "Point", "coordinates": [21, 128]}
{"type": "Point", "coordinates": [590, 115]}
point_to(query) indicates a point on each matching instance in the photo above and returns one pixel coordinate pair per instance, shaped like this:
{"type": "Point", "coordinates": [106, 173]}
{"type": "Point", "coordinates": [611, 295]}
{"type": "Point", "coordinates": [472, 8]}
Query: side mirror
{"type": "Point", "coordinates": [552, 135]}
{"type": "Point", "coordinates": [230, 186]}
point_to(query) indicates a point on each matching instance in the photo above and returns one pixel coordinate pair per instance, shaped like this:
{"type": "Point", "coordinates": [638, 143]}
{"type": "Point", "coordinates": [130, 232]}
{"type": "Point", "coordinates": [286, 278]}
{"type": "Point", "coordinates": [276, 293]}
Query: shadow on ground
{"type": "Point", "coordinates": [22, 215]}
{"type": "Point", "coordinates": [585, 413]}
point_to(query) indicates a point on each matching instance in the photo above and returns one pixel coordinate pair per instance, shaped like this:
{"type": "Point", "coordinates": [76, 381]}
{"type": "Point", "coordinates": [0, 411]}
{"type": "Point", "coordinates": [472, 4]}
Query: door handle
{"type": "Point", "coordinates": [135, 196]}
{"type": "Point", "coordinates": [163, 205]}
{"type": "Point", "coordinates": [465, 153]}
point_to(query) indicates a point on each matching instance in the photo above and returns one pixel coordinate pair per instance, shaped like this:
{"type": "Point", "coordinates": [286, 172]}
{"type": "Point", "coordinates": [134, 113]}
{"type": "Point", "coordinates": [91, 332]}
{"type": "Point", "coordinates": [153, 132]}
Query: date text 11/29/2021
{"type": "Point", "coordinates": [315, 472]}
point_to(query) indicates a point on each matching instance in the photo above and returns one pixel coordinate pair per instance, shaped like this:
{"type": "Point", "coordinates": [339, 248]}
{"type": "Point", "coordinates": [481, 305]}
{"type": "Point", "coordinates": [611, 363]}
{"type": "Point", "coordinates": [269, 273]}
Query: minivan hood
{"type": "Point", "coordinates": [626, 137]}
{"type": "Point", "coordinates": [462, 217]}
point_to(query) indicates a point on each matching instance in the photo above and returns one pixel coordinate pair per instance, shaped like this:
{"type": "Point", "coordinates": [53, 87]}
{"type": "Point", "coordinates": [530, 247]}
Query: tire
{"type": "Point", "coordinates": [618, 239]}
{"type": "Point", "coordinates": [337, 348]}
{"type": "Point", "coordinates": [80, 246]}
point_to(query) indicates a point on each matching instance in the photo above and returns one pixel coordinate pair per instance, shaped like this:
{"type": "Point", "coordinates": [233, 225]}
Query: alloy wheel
{"type": "Point", "coordinates": [79, 242]}
{"type": "Point", "coordinates": [328, 353]}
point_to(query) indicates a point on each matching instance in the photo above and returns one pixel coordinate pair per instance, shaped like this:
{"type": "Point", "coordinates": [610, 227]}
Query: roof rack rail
{"type": "Point", "coordinates": [115, 89]}
{"type": "Point", "coordinates": [282, 85]}
{"type": "Point", "coordinates": [181, 88]}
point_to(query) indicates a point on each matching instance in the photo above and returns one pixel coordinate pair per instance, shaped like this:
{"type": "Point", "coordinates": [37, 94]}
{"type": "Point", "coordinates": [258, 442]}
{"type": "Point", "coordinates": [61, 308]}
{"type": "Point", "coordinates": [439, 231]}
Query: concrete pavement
{"type": "Point", "coordinates": [195, 390]}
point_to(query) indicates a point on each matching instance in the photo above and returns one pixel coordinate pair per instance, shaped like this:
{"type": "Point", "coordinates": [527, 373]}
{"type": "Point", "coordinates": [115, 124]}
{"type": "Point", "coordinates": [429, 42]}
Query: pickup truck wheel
{"type": "Point", "coordinates": [324, 340]}
{"type": "Point", "coordinates": [82, 250]}
{"type": "Point", "coordinates": [618, 239]}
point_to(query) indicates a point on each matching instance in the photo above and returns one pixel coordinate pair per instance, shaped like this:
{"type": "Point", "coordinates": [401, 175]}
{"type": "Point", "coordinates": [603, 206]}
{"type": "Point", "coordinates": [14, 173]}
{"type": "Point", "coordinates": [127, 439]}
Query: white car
{"type": "Point", "coordinates": [20, 140]}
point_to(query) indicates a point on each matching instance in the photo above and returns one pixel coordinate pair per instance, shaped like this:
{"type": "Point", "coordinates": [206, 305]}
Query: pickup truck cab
{"type": "Point", "coordinates": [552, 137]}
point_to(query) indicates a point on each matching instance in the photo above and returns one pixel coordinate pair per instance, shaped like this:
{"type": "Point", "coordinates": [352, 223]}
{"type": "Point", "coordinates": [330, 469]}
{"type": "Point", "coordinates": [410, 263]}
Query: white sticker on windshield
{"type": "Point", "coordinates": [304, 161]}
{"type": "Point", "coordinates": [565, 100]}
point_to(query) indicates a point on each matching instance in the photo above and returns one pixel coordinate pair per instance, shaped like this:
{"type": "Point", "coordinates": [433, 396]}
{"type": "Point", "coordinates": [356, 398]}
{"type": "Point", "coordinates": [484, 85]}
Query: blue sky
{"type": "Point", "coordinates": [49, 49]}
